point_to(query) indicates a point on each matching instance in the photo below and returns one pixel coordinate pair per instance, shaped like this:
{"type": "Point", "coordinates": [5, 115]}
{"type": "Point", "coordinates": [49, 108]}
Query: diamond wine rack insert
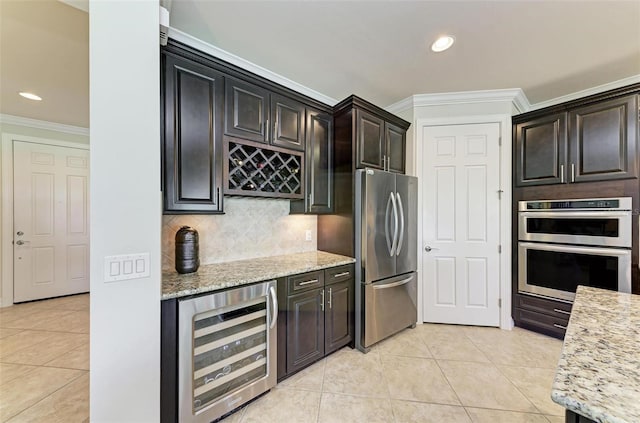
{"type": "Point", "coordinates": [255, 169]}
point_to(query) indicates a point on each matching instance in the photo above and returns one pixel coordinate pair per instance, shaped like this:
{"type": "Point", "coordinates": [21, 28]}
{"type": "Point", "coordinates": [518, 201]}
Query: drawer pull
{"type": "Point", "coordinates": [557, 310]}
{"type": "Point", "coordinates": [337, 275]}
{"type": "Point", "coordinates": [560, 326]}
{"type": "Point", "coordinates": [308, 282]}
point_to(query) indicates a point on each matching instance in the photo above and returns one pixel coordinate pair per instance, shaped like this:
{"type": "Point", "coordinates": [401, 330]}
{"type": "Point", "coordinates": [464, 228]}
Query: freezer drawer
{"type": "Point", "coordinates": [390, 306]}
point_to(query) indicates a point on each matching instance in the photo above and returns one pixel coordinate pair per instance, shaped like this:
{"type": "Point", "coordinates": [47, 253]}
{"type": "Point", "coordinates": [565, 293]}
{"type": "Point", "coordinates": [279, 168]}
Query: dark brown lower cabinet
{"type": "Point", "coordinates": [305, 329]}
{"type": "Point", "coordinates": [541, 315]}
{"type": "Point", "coordinates": [315, 317]}
{"type": "Point", "coordinates": [571, 417]}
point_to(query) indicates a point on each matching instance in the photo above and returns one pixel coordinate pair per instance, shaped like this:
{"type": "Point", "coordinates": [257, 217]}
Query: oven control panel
{"type": "Point", "coordinates": [623, 203]}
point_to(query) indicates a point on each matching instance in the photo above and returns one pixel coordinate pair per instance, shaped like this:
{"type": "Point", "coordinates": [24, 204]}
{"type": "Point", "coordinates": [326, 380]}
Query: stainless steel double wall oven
{"type": "Point", "coordinates": [566, 243]}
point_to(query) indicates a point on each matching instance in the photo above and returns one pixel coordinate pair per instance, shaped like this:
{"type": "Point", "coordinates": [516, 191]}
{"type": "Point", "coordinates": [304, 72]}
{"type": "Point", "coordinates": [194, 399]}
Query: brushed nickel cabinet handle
{"type": "Point", "coordinates": [573, 172]}
{"type": "Point", "coordinates": [308, 282]}
{"type": "Point", "coordinates": [330, 295]}
{"type": "Point", "coordinates": [322, 301]}
{"type": "Point", "coordinates": [562, 174]}
{"type": "Point", "coordinates": [557, 310]}
{"type": "Point", "coordinates": [560, 326]}
{"type": "Point", "coordinates": [338, 275]}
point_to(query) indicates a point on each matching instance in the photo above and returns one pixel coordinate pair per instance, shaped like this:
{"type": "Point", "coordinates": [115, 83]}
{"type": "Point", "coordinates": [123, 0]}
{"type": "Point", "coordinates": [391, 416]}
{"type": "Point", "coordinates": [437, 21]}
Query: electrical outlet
{"type": "Point", "coordinates": [308, 235]}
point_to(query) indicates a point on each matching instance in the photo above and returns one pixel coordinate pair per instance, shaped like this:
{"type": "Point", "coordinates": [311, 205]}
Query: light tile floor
{"type": "Point", "coordinates": [433, 373]}
{"type": "Point", "coordinates": [44, 361]}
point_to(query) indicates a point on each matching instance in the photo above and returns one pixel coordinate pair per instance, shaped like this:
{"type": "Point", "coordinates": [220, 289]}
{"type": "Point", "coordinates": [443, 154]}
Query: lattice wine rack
{"type": "Point", "coordinates": [255, 169]}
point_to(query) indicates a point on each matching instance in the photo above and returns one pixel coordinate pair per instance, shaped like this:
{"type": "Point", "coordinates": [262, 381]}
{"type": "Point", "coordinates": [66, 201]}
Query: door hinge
{"type": "Point", "coordinates": [499, 140]}
{"type": "Point", "coordinates": [499, 302]}
{"type": "Point", "coordinates": [500, 194]}
{"type": "Point", "coordinates": [499, 249]}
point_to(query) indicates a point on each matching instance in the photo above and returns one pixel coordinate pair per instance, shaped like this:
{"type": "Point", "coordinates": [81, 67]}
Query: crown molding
{"type": "Point", "coordinates": [515, 96]}
{"type": "Point", "coordinates": [585, 93]}
{"type": "Point", "coordinates": [205, 47]}
{"type": "Point", "coordinates": [78, 4]}
{"type": "Point", "coordinates": [43, 124]}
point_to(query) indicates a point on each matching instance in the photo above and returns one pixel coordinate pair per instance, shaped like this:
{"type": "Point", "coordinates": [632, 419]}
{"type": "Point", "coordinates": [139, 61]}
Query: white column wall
{"type": "Point", "coordinates": [125, 208]}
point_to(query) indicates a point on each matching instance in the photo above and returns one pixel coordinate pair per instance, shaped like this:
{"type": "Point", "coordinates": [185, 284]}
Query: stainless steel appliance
{"type": "Point", "coordinates": [227, 349]}
{"type": "Point", "coordinates": [386, 254]}
{"type": "Point", "coordinates": [566, 243]}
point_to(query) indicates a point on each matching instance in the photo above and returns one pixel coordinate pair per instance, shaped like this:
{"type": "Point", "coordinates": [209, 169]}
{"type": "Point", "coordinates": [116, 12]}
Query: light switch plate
{"type": "Point", "coordinates": [129, 266]}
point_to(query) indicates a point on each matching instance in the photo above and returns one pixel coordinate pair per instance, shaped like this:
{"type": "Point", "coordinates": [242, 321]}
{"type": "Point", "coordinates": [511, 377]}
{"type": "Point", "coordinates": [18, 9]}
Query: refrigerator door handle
{"type": "Point", "coordinates": [393, 284]}
{"type": "Point", "coordinates": [401, 234]}
{"type": "Point", "coordinates": [394, 245]}
{"type": "Point", "coordinates": [386, 225]}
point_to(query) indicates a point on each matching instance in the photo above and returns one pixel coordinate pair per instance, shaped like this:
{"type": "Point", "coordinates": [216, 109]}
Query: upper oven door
{"type": "Point", "coordinates": [601, 228]}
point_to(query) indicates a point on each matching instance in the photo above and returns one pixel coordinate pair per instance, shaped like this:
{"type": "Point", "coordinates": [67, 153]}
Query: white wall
{"type": "Point", "coordinates": [125, 208]}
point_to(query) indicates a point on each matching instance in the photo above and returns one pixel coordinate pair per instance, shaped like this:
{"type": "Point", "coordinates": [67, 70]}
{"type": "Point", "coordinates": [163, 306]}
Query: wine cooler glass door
{"type": "Point", "coordinates": [228, 345]}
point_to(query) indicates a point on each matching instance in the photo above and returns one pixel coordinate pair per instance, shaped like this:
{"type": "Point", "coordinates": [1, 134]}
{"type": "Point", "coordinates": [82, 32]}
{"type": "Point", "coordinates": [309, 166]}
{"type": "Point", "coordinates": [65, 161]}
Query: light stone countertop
{"type": "Point", "coordinates": [213, 277]}
{"type": "Point", "coordinates": [598, 374]}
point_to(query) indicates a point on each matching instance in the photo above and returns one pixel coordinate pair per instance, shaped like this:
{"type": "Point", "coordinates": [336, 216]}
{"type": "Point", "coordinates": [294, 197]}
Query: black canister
{"type": "Point", "coordinates": [187, 255]}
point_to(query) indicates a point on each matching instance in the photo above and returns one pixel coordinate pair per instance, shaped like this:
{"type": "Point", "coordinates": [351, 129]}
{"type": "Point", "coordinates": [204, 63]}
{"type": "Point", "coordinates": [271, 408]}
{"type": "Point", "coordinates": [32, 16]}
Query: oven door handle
{"type": "Point", "coordinates": [573, 214]}
{"type": "Point", "coordinates": [565, 248]}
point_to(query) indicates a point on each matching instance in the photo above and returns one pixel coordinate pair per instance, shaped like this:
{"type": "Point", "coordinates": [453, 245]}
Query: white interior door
{"type": "Point", "coordinates": [461, 232]}
{"type": "Point", "coordinates": [51, 221]}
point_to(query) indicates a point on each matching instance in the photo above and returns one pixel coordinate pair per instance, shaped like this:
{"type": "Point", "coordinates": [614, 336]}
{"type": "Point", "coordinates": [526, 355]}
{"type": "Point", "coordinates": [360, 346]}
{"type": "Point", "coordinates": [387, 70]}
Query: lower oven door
{"type": "Point", "coordinates": [227, 350]}
{"type": "Point", "coordinates": [556, 270]}
{"type": "Point", "coordinates": [390, 306]}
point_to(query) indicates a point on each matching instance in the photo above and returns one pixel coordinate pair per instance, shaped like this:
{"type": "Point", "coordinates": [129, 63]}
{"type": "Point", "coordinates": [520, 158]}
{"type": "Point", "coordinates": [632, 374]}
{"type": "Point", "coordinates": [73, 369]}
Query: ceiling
{"type": "Point", "coordinates": [44, 49]}
{"type": "Point", "coordinates": [378, 50]}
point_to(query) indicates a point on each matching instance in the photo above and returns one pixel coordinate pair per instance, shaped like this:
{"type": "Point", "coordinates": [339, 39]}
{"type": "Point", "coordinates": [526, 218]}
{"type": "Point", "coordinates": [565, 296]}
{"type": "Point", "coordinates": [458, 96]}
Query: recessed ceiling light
{"type": "Point", "coordinates": [30, 96]}
{"type": "Point", "coordinates": [442, 43]}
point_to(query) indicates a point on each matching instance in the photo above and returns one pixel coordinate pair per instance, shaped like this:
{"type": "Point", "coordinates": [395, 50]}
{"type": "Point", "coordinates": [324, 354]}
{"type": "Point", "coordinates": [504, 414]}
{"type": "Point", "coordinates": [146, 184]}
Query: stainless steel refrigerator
{"type": "Point", "coordinates": [386, 255]}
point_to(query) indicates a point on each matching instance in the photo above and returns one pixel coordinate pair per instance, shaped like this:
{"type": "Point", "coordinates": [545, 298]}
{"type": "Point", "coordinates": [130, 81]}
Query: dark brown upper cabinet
{"type": "Point", "coordinates": [540, 150]}
{"type": "Point", "coordinates": [288, 126]}
{"type": "Point", "coordinates": [246, 111]}
{"type": "Point", "coordinates": [592, 140]}
{"type": "Point", "coordinates": [603, 140]}
{"type": "Point", "coordinates": [256, 114]}
{"type": "Point", "coordinates": [378, 137]}
{"type": "Point", "coordinates": [319, 169]}
{"type": "Point", "coordinates": [192, 137]}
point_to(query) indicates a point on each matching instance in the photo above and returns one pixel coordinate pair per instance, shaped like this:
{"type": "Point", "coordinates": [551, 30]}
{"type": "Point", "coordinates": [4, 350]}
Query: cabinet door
{"type": "Point", "coordinates": [396, 140]}
{"type": "Point", "coordinates": [192, 137]}
{"type": "Point", "coordinates": [603, 140]}
{"type": "Point", "coordinates": [288, 126]}
{"type": "Point", "coordinates": [305, 329]}
{"type": "Point", "coordinates": [338, 316]}
{"type": "Point", "coordinates": [540, 153]}
{"type": "Point", "coordinates": [246, 111]}
{"type": "Point", "coordinates": [319, 172]}
{"type": "Point", "coordinates": [370, 139]}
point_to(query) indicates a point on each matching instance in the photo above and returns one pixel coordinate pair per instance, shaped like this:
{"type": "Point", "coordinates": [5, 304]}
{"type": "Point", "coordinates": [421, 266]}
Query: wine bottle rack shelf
{"type": "Point", "coordinates": [255, 169]}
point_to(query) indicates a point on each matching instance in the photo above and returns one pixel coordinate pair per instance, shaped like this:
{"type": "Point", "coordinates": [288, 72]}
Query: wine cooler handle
{"type": "Point", "coordinates": [274, 307]}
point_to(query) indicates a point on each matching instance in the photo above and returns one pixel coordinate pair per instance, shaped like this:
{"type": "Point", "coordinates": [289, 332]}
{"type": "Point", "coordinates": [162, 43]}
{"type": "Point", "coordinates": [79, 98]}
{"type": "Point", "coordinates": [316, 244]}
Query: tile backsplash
{"type": "Point", "coordinates": [250, 228]}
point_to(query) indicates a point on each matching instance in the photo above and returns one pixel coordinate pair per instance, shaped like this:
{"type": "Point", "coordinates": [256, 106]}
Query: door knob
{"type": "Point", "coordinates": [19, 233]}
{"type": "Point", "coordinates": [20, 242]}
{"type": "Point", "coordinates": [429, 248]}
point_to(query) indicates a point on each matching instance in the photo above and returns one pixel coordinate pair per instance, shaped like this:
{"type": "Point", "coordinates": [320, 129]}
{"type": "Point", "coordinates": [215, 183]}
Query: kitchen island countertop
{"type": "Point", "coordinates": [213, 277]}
{"type": "Point", "coordinates": [598, 374]}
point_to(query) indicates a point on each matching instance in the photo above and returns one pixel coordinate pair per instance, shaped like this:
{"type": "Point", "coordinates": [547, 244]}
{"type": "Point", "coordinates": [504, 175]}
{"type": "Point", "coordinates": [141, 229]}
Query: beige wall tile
{"type": "Point", "coordinates": [250, 228]}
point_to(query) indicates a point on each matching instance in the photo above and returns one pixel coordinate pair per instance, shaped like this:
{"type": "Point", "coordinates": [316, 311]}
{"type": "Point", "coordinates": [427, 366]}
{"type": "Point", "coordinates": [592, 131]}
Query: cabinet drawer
{"type": "Point", "coordinates": [339, 274]}
{"type": "Point", "coordinates": [305, 281]}
{"type": "Point", "coordinates": [557, 309]}
{"type": "Point", "coordinates": [544, 323]}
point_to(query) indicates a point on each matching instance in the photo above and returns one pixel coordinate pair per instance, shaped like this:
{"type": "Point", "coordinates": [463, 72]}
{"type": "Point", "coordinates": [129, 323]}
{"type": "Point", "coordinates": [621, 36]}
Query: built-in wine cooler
{"type": "Point", "coordinates": [227, 344]}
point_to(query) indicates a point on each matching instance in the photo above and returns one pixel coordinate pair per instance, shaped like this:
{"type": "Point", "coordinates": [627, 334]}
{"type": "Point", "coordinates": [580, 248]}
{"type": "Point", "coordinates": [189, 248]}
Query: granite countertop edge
{"type": "Point", "coordinates": [172, 286]}
{"type": "Point", "coordinates": [580, 386]}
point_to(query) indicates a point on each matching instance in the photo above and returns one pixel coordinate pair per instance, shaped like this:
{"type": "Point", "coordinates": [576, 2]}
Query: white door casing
{"type": "Point", "coordinates": [50, 221]}
{"type": "Point", "coordinates": [461, 223]}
